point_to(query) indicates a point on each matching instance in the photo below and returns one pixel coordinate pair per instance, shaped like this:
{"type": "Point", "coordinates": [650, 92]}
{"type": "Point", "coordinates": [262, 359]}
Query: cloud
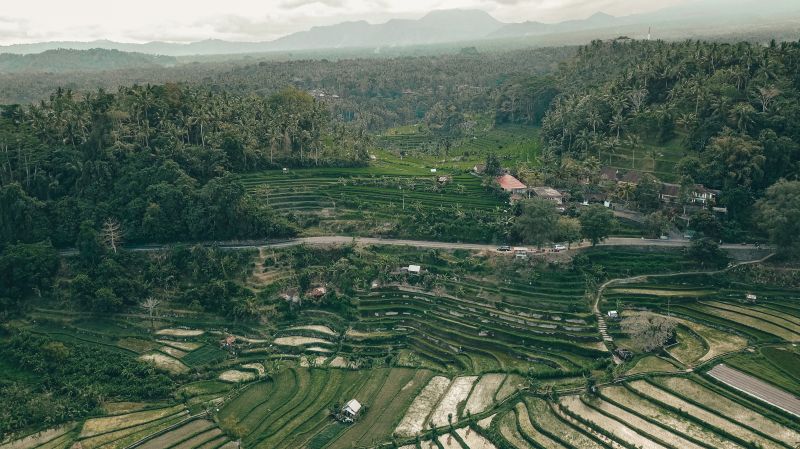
{"type": "Point", "coordinates": [291, 4]}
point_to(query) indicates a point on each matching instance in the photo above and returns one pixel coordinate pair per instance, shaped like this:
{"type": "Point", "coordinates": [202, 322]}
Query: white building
{"type": "Point", "coordinates": [351, 410]}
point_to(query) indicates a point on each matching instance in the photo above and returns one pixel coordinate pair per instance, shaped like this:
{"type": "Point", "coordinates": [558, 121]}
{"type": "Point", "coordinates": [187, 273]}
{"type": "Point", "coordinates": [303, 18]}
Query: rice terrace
{"type": "Point", "coordinates": [530, 225]}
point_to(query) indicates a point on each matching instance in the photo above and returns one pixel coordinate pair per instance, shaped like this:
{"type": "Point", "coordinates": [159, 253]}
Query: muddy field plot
{"type": "Point", "coordinates": [181, 332]}
{"type": "Point", "coordinates": [715, 420]}
{"type": "Point", "coordinates": [300, 341]}
{"type": "Point", "coordinates": [729, 408]}
{"type": "Point", "coordinates": [315, 328]}
{"type": "Point", "coordinates": [109, 423]}
{"type": "Point", "coordinates": [55, 437]}
{"type": "Point", "coordinates": [618, 429]}
{"type": "Point", "coordinates": [414, 420]}
{"type": "Point", "coordinates": [183, 433]}
{"type": "Point", "coordinates": [643, 407]}
{"type": "Point", "coordinates": [447, 410]}
{"type": "Point", "coordinates": [473, 439]}
{"type": "Point", "coordinates": [482, 396]}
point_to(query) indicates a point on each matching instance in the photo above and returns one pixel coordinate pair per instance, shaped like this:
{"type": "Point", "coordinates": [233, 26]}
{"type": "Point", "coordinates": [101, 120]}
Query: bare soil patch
{"type": "Point", "coordinates": [616, 428]}
{"type": "Point", "coordinates": [108, 423]}
{"type": "Point", "coordinates": [713, 419]}
{"type": "Point", "coordinates": [316, 328]}
{"type": "Point", "coordinates": [299, 341]}
{"type": "Point", "coordinates": [236, 376]}
{"type": "Point", "coordinates": [169, 350]}
{"type": "Point", "coordinates": [182, 345]}
{"type": "Point", "coordinates": [165, 362]}
{"type": "Point", "coordinates": [458, 392]}
{"type": "Point", "coordinates": [256, 366]}
{"type": "Point", "coordinates": [38, 438]}
{"type": "Point", "coordinates": [623, 396]}
{"type": "Point", "coordinates": [473, 439]}
{"type": "Point", "coordinates": [180, 332]}
{"type": "Point", "coordinates": [482, 396]}
{"type": "Point", "coordinates": [414, 420]}
{"type": "Point", "coordinates": [731, 409]}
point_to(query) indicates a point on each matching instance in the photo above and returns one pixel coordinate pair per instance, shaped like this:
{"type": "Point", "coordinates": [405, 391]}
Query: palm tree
{"type": "Point", "coordinates": [151, 304]}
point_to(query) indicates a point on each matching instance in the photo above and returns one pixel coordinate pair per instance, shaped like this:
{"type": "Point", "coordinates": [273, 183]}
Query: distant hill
{"type": "Point", "coordinates": [435, 27]}
{"type": "Point", "coordinates": [695, 19]}
{"type": "Point", "coordinates": [69, 60]}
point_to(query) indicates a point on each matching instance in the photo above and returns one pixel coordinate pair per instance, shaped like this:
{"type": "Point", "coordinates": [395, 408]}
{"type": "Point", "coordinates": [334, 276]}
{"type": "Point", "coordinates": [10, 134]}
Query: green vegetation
{"type": "Point", "coordinates": [110, 340]}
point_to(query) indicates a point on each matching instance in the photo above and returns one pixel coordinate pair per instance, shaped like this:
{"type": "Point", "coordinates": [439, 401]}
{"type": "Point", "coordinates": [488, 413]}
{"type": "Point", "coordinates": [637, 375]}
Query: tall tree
{"type": "Point", "coordinates": [779, 215]}
{"type": "Point", "coordinates": [597, 223]}
{"type": "Point", "coordinates": [538, 222]}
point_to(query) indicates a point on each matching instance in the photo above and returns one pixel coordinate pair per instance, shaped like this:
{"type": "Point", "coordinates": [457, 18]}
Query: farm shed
{"type": "Point", "coordinates": [351, 410]}
{"type": "Point", "coordinates": [414, 269]}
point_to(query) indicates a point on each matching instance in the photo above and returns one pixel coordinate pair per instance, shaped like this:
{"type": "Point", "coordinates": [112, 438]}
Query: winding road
{"type": "Point", "coordinates": [343, 240]}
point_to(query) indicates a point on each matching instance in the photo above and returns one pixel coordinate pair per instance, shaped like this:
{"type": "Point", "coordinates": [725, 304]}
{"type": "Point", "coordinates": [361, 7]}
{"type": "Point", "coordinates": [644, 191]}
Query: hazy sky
{"type": "Point", "coordinates": [252, 20]}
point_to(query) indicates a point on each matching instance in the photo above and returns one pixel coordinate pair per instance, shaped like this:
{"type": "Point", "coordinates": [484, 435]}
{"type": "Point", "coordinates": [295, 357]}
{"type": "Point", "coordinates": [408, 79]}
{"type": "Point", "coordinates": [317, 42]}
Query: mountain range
{"type": "Point", "coordinates": [450, 26]}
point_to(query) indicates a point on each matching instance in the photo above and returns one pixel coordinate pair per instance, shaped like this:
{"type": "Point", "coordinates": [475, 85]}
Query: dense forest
{"type": "Point", "coordinates": [157, 160]}
{"type": "Point", "coordinates": [732, 107]}
{"type": "Point", "coordinates": [379, 92]}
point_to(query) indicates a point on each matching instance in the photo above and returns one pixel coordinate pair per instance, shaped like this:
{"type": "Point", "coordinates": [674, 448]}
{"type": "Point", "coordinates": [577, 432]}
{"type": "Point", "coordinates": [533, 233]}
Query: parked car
{"type": "Point", "coordinates": [559, 248]}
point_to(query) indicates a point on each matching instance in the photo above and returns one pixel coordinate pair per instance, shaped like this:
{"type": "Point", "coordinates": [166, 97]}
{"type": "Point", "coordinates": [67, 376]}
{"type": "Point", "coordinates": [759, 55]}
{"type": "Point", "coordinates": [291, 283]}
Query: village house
{"type": "Point", "coordinates": [700, 194]}
{"type": "Point", "coordinates": [479, 169]}
{"type": "Point", "coordinates": [549, 193]}
{"type": "Point", "coordinates": [609, 174]}
{"type": "Point", "coordinates": [512, 185]}
{"type": "Point", "coordinates": [670, 193]}
{"type": "Point", "coordinates": [632, 178]}
{"type": "Point", "coordinates": [317, 292]}
{"type": "Point", "coordinates": [703, 195]}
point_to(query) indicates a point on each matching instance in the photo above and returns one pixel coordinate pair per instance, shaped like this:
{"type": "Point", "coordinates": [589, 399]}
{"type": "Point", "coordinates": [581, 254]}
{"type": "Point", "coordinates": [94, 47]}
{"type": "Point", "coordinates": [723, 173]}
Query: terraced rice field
{"type": "Point", "coordinates": [58, 437]}
{"type": "Point", "coordinates": [721, 304]}
{"type": "Point", "coordinates": [348, 189]}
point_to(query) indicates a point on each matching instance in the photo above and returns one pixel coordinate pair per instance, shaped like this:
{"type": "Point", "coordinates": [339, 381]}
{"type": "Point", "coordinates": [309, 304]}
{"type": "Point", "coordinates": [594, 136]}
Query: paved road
{"type": "Point", "coordinates": [757, 388]}
{"type": "Point", "coordinates": [339, 239]}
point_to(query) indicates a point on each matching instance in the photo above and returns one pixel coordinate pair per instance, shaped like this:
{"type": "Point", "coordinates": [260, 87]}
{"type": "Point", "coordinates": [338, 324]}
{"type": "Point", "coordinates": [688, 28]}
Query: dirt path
{"type": "Point", "coordinates": [756, 388]}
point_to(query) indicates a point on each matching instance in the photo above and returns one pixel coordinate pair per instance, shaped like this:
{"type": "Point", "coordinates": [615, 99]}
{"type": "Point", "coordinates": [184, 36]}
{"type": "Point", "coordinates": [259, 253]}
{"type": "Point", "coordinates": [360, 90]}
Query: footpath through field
{"type": "Point", "coordinates": [601, 322]}
{"type": "Point", "coordinates": [756, 388]}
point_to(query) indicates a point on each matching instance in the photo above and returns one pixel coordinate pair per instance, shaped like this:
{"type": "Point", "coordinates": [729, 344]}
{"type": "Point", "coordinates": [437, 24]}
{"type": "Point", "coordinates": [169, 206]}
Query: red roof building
{"type": "Point", "coordinates": [512, 184]}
